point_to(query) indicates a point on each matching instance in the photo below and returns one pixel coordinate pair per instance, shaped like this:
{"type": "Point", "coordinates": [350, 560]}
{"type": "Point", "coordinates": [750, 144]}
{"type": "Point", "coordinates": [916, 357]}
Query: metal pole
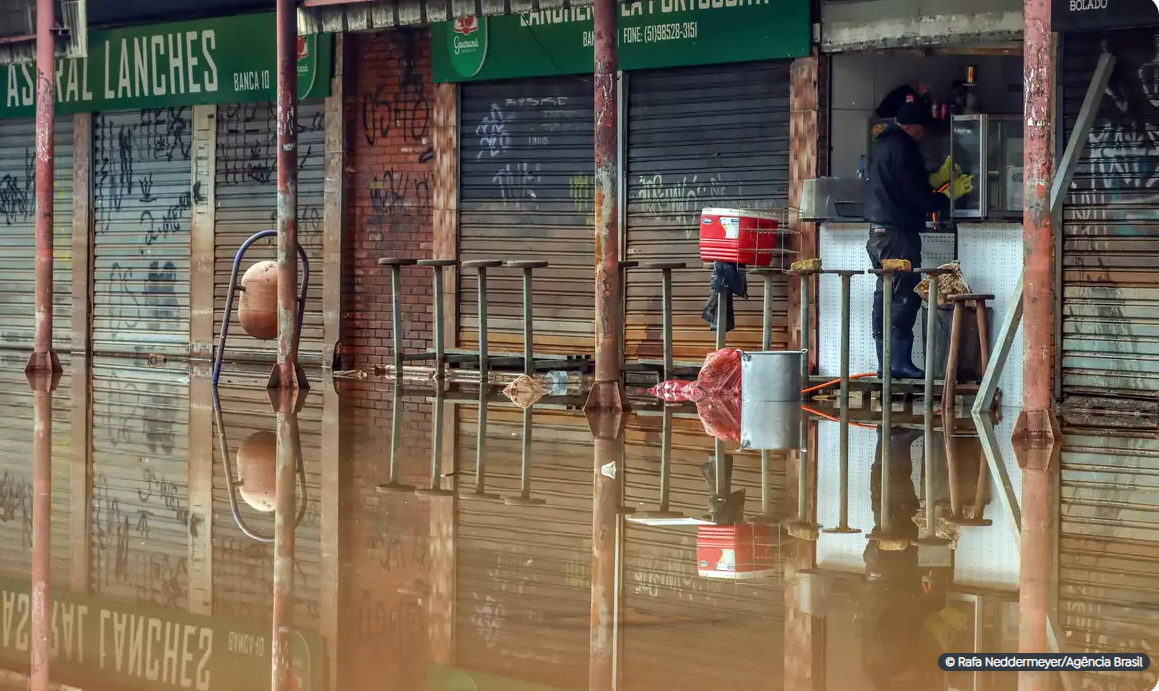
{"type": "Point", "coordinates": [484, 377]}
{"type": "Point", "coordinates": [41, 531]}
{"type": "Point", "coordinates": [286, 372]}
{"type": "Point", "coordinates": [886, 395]}
{"type": "Point", "coordinates": [284, 529]}
{"type": "Point", "coordinates": [843, 462]}
{"type": "Point", "coordinates": [528, 328]}
{"type": "Point", "coordinates": [43, 358]}
{"type": "Point", "coordinates": [666, 305]}
{"type": "Point", "coordinates": [392, 483]}
{"type": "Point", "coordinates": [396, 317]}
{"type": "Point", "coordinates": [608, 392]}
{"type": "Point", "coordinates": [805, 286]}
{"type": "Point", "coordinates": [1037, 234]}
{"type": "Point", "coordinates": [928, 411]}
{"type": "Point", "coordinates": [606, 497]}
{"type": "Point", "coordinates": [440, 354]}
{"type": "Point", "coordinates": [666, 458]}
{"type": "Point", "coordinates": [481, 442]}
{"type": "Point", "coordinates": [721, 319]}
{"type": "Point", "coordinates": [767, 314]}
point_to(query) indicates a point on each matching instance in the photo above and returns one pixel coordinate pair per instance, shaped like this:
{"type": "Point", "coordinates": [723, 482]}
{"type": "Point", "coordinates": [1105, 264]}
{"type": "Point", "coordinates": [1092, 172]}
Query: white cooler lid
{"type": "Point", "coordinates": [744, 213]}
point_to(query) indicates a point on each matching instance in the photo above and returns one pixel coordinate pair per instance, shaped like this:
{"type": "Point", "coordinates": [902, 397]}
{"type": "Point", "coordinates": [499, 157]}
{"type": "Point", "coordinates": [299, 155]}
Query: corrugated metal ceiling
{"type": "Point", "coordinates": [361, 15]}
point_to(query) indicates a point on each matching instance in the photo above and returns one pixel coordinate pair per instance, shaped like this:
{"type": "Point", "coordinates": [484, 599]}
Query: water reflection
{"type": "Point", "coordinates": [452, 539]}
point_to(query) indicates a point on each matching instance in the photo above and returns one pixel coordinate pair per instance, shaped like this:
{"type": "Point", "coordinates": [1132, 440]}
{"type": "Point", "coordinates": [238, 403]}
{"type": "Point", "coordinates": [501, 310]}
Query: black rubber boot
{"type": "Point", "coordinates": [901, 355]}
{"type": "Point", "coordinates": [877, 342]}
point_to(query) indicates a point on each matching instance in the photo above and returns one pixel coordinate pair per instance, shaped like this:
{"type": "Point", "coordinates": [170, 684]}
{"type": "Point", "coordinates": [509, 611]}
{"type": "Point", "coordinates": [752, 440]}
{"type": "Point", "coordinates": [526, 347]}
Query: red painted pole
{"type": "Point", "coordinates": [286, 372]}
{"type": "Point", "coordinates": [608, 391]}
{"type": "Point", "coordinates": [1038, 350]}
{"type": "Point", "coordinates": [42, 387]}
{"type": "Point", "coordinates": [285, 510]}
{"type": "Point", "coordinates": [43, 358]}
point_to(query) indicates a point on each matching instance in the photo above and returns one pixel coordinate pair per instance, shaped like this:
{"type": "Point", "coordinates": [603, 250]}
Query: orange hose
{"type": "Point", "coordinates": [830, 418]}
{"type": "Point", "coordinates": [838, 381]}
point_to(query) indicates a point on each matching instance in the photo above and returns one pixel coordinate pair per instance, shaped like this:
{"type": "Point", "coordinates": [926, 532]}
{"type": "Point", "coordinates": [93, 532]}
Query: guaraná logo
{"type": "Point", "coordinates": [469, 45]}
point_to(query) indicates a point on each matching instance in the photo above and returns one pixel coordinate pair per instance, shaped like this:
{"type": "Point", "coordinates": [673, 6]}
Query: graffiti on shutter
{"type": "Point", "coordinates": [1110, 248]}
{"type": "Point", "coordinates": [246, 191]}
{"type": "Point", "coordinates": [18, 233]}
{"type": "Point", "coordinates": [142, 204]}
{"type": "Point", "coordinates": [526, 192]}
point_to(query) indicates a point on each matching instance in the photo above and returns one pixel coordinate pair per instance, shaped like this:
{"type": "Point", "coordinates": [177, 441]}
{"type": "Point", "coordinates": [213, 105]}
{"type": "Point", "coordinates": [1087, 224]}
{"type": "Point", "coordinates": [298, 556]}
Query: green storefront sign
{"type": "Point", "coordinates": [209, 61]}
{"type": "Point", "coordinates": [151, 649]}
{"type": "Point", "coordinates": [652, 33]}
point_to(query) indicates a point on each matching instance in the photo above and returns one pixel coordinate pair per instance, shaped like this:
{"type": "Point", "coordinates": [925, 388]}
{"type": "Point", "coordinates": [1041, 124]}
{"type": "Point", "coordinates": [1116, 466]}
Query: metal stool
{"type": "Point", "coordinates": [527, 267]}
{"type": "Point", "coordinates": [665, 269]}
{"type": "Point", "coordinates": [440, 354]}
{"type": "Point", "coordinates": [957, 517]}
{"type": "Point", "coordinates": [392, 485]}
{"type": "Point", "coordinates": [665, 473]}
{"type": "Point", "coordinates": [480, 492]}
{"type": "Point", "coordinates": [396, 264]}
{"type": "Point", "coordinates": [960, 303]}
{"type": "Point", "coordinates": [436, 486]}
{"type": "Point", "coordinates": [525, 498]}
{"type": "Point", "coordinates": [481, 266]}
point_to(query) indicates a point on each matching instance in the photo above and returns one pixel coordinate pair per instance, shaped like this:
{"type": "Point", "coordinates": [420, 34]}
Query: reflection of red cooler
{"type": "Point", "coordinates": [734, 551]}
{"type": "Point", "coordinates": [738, 236]}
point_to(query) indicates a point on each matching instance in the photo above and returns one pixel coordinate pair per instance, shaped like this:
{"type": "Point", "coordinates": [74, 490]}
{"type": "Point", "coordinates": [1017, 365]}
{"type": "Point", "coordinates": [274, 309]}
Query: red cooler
{"type": "Point", "coordinates": [734, 551]}
{"type": "Point", "coordinates": [738, 236]}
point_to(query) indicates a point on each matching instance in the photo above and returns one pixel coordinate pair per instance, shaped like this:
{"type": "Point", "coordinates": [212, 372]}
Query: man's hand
{"type": "Point", "coordinates": [942, 175]}
{"type": "Point", "coordinates": [960, 187]}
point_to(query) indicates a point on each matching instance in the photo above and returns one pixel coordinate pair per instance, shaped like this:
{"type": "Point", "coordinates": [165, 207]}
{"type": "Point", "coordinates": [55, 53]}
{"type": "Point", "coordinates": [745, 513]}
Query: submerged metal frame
{"type": "Point", "coordinates": [229, 484]}
{"type": "Point", "coordinates": [220, 355]}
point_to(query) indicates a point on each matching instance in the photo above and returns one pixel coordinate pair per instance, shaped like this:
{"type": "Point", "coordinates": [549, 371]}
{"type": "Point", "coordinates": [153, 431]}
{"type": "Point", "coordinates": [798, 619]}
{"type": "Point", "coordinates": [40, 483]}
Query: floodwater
{"type": "Point", "coordinates": [707, 575]}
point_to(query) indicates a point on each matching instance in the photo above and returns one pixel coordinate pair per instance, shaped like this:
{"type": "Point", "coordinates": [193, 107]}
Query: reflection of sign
{"type": "Point", "coordinates": [150, 649]}
{"type": "Point", "coordinates": [1088, 15]}
{"type": "Point", "coordinates": [655, 33]}
{"type": "Point", "coordinates": [208, 61]}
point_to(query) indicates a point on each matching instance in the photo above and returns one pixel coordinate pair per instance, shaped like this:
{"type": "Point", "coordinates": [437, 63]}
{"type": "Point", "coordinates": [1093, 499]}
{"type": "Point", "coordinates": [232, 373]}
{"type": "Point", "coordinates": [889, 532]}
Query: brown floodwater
{"type": "Point", "coordinates": [707, 571]}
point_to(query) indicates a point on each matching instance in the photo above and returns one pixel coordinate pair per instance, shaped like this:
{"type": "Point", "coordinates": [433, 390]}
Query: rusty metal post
{"type": "Point", "coordinates": [1038, 349]}
{"type": "Point", "coordinates": [607, 496]}
{"type": "Point", "coordinates": [608, 391]}
{"type": "Point", "coordinates": [42, 384]}
{"type": "Point", "coordinates": [287, 372]}
{"type": "Point", "coordinates": [43, 358]}
{"type": "Point", "coordinates": [289, 451]}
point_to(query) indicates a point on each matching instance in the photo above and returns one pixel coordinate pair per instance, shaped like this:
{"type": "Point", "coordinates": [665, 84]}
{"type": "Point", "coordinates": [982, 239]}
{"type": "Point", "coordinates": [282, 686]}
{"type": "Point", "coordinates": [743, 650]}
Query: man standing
{"type": "Point", "coordinates": [900, 195]}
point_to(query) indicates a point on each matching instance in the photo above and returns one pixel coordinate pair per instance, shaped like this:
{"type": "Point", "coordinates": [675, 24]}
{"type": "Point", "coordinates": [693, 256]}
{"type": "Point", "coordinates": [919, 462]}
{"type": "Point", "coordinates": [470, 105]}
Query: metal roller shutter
{"type": "Point", "coordinates": [1110, 247]}
{"type": "Point", "coordinates": [1109, 546]}
{"type": "Point", "coordinates": [243, 568]}
{"type": "Point", "coordinates": [16, 431]}
{"type": "Point", "coordinates": [18, 233]}
{"type": "Point", "coordinates": [526, 170]}
{"type": "Point", "coordinates": [142, 199]}
{"type": "Point", "coordinates": [140, 494]}
{"type": "Point", "coordinates": [698, 137]}
{"type": "Point", "coordinates": [524, 588]}
{"type": "Point", "coordinates": [246, 191]}
{"type": "Point", "coordinates": [668, 609]}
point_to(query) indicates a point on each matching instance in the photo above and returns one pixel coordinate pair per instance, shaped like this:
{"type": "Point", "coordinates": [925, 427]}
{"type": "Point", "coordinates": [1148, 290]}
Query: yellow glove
{"type": "Point", "coordinates": [963, 185]}
{"type": "Point", "coordinates": [942, 175]}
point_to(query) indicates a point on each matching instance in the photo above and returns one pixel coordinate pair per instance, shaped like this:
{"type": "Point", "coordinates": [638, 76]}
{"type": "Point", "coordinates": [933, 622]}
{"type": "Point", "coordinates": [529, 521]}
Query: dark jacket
{"type": "Point", "coordinates": [899, 193]}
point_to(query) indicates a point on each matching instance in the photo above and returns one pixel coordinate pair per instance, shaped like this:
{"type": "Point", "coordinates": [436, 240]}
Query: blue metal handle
{"type": "Point", "coordinates": [220, 355]}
